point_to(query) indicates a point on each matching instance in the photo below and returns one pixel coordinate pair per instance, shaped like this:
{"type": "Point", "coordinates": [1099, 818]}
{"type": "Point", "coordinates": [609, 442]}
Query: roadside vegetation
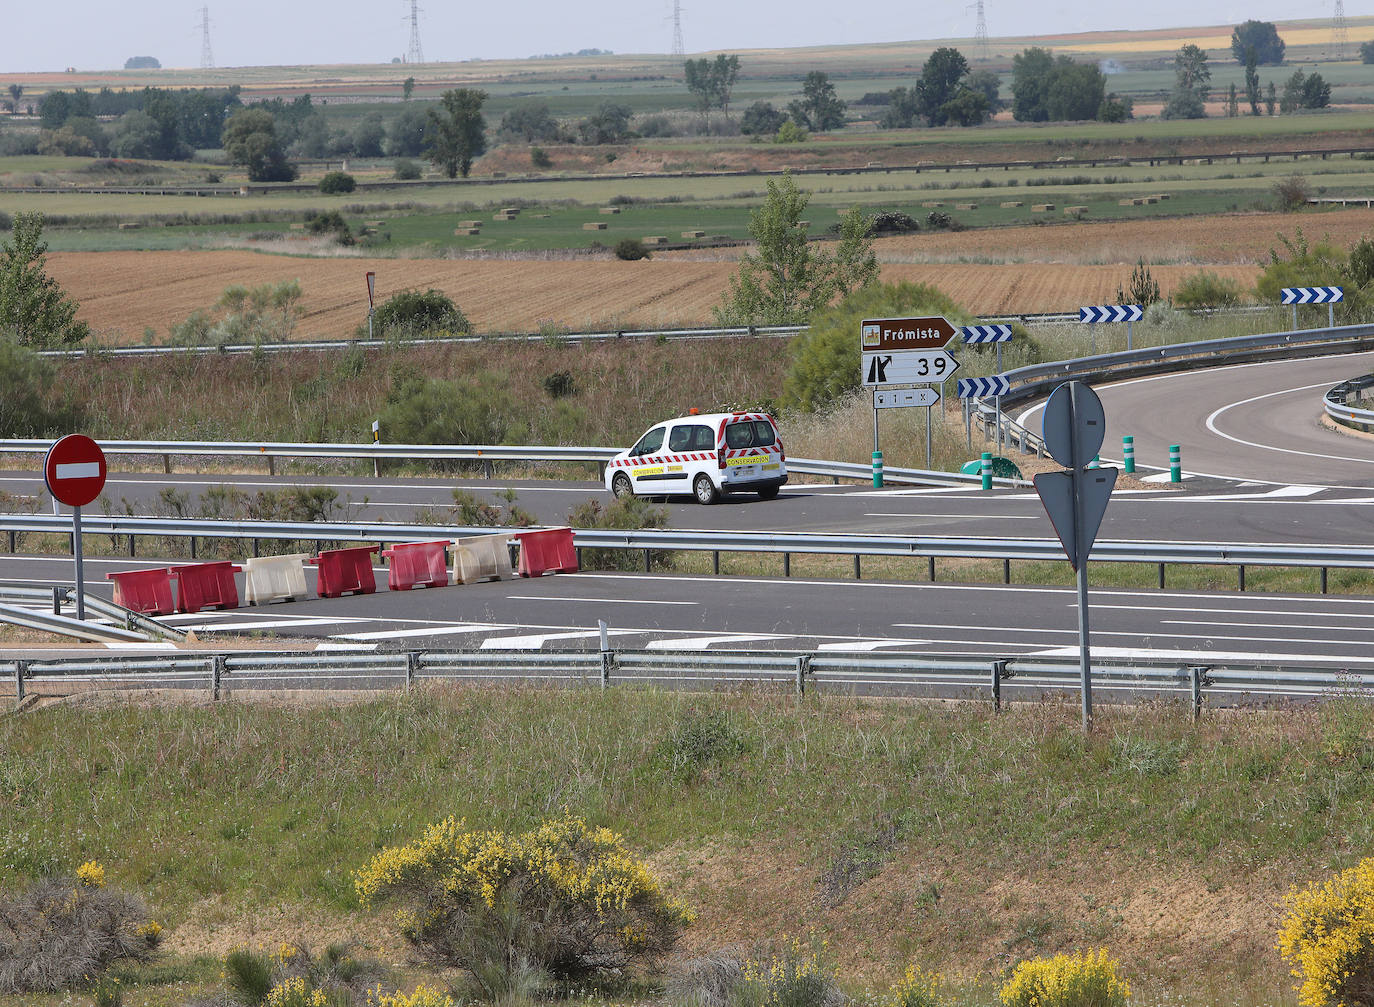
{"type": "Point", "coordinates": [861, 843]}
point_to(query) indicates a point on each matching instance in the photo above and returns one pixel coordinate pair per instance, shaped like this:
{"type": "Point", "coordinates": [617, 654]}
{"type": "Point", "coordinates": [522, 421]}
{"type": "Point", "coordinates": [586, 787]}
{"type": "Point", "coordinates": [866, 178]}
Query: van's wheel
{"type": "Point", "coordinates": [769, 493]}
{"type": "Point", "coordinates": [705, 490]}
{"type": "Point", "coordinates": [620, 486]}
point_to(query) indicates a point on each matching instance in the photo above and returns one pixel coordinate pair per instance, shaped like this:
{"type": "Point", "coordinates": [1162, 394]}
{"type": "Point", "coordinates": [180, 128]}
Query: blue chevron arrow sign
{"type": "Point", "coordinates": [982, 388]}
{"type": "Point", "coordinates": [1313, 295]}
{"type": "Point", "coordinates": [987, 333]}
{"type": "Point", "coordinates": [1111, 313]}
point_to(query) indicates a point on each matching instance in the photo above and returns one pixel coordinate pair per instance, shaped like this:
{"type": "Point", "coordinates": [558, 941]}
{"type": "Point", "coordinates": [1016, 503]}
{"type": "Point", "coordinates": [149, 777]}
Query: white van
{"type": "Point", "coordinates": [704, 455]}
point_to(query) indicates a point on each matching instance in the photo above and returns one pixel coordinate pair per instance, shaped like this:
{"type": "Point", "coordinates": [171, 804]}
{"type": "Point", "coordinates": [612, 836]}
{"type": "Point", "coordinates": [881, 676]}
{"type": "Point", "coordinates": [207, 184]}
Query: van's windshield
{"type": "Point", "coordinates": [749, 434]}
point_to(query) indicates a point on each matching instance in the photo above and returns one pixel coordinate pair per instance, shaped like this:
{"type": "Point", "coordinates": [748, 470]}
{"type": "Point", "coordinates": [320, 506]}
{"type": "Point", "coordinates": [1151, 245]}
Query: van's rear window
{"type": "Point", "coordinates": [749, 434]}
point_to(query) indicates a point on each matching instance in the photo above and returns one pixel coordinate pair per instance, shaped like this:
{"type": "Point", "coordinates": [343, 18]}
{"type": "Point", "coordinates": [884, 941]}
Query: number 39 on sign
{"type": "Point", "coordinates": [907, 367]}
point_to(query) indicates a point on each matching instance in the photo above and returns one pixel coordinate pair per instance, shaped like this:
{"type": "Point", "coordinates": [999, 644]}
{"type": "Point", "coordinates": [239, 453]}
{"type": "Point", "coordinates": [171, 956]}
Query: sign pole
{"type": "Point", "coordinates": [80, 579]}
{"type": "Point", "coordinates": [1081, 546]}
{"type": "Point", "coordinates": [371, 288]}
{"type": "Point", "coordinates": [927, 436]}
{"type": "Point", "coordinates": [968, 423]}
{"type": "Point", "coordinates": [1130, 325]}
{"type": "Point", "coordinates": [877, 453]}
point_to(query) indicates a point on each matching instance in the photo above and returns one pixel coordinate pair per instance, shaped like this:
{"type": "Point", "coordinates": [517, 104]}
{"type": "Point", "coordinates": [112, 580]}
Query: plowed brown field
{"type": "Point", "coordinates": [122, 293]}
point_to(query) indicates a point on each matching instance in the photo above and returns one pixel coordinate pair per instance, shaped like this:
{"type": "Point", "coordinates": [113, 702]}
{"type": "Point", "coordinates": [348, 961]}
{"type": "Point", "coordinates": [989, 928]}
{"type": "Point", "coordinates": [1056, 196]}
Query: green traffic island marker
{"type": "Point", "coordinates": [877, 470]}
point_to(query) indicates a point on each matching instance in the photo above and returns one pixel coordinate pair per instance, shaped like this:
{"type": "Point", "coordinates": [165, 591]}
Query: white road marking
{"type": "Point", "coordinates": [979, 516]}
{"type": "Point", "coordinates": [870, 645]}
{"type": "Point", "coordinates": [597, 601]}
{"type": "Point", "coordinates": [1204, 655]}
{"type": "Point", "coordinates": [1270, 625]}
{"type": "Point", "coordinates": [239, 627]}
{"type": "Point", "coordinates": [1192, 610]}
{"type": "Point", "coordinates": [327, 645]}
{"type": "Point", "coordinates": [707, 642]}
{"type": "Point", "coordinates": [1212, 426]}
{"type": "Point", "coordinates": [454, 630]}
{"type": "Point", "coordinates": [537, 640]}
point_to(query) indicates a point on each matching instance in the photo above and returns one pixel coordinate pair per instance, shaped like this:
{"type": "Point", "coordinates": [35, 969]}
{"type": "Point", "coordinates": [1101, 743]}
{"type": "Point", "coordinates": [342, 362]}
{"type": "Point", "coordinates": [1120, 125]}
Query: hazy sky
{"type": "Point", "coordinates": [100, 34]}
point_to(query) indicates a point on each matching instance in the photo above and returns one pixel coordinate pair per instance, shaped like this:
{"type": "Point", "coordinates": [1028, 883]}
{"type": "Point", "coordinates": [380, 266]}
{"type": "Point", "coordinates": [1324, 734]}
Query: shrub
{"type": "Point", "coordinates": [413, 313]}
{"type": "Point", "coordinates": [709, 980]}
{"type": "Point", "coordinates": [915, 989]}
{"type": "Point", "coordinates": [1081, 979]}
{"type": "Point", "coordinates": [422, 996]}
{"type": "Point", "coordinates": [563, 899]}
{"type": "Point", "coordinates": [1291, 192]}
{"type": "Point", "coordinates": [539, 157]}
{"type": "Point", "coordinates": [631, 250]}
{"type": "Point", "coordinates": [1207, 290]}
{"type": "Point", "coordinates": [33, 403]}
{"type": "Point", "coordinates": [1328, 938]}
{"type": "Point", "coordinates": [292, 977]}
{"type": "Point", "coordinates": [559, 384]}
{"type": "Point", "coordinates": [1143, 289]}
{"type": "Point", "coordinates": [63, 932]}
{"type": "Point", "coordinates": [628, 513]}
{"type": "Point", "coordinates": [327, 222]}
{"type": "Point", "coordinates": [473, 410]}
{"type": "Point", "coordinates": [792, 976]}
{"type": "Point", "coordinates": [894, 222]}
{"type": "Point", "coordinates": [825, 359]}
{"type": "Point", "coordinates": [336, 182]}
{"type": "Point", "coordinates": [474, 513]}
{"type": "Point", "coordinates": [406, 169]}
{"type": "Point", "coordinates": [698, 741]}
{"type": "Point", "coordinates": [790, 132]}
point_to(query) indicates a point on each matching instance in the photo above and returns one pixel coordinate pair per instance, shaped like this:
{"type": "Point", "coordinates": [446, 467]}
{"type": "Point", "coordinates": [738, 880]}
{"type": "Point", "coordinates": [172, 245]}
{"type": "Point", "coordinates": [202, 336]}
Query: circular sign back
{"type": "Point", "coordinates": [74, 470]}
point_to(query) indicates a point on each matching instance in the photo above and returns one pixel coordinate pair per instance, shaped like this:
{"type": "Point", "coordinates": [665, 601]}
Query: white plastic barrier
{"type": "Point", "coordinates": [482, 557]}
{"type": "Point", "coordinates": [275, 578]}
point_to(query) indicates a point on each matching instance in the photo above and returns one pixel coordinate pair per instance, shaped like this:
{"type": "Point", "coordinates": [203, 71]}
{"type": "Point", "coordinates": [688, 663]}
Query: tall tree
{"type": "Point", "coordinates": [250, 139]}
{"type": "Point", "coordinates": [16, 92]}
{"type": "Point", "coordinates": [1262, 37]}
{"type": "Point", "coordinates": [457, 133]}
{"type": "Point", "coordinates": [819, 109]}
{"type": "Point", "coordinates": [1075, 91]}
{"type": "Point", "coordinates": [711, 81]}
{"type": "Point", "coordinates": [1192, 85]}
{"type": "Point", "coordinates": [941, 77]}
{"type": "Point", "coordinates": [784, 280]}
{"type": "Point", "coordinates": [407, 88]}
{"type": "Point", "coordinates": [33, 306]}
{"type": "Point", "coordinates": [1252, 87]}
{"type": "Point", "coordinates": [1030, 78]}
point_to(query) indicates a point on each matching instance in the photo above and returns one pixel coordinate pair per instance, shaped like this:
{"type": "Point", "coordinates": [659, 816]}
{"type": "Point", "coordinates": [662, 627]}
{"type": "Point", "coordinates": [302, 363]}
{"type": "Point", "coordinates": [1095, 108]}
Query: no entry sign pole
{"type": "Point", "coordinates": [74, 470]}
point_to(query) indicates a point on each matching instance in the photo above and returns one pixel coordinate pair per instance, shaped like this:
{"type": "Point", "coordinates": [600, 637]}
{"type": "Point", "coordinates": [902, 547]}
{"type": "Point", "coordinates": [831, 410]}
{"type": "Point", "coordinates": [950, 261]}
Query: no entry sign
{"type": "Point", "coordinates": [74, 470]}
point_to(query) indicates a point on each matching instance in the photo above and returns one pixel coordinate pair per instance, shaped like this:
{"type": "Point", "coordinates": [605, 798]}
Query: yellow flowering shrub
{"type": "Point", "coordinates": [295, 992]}
{"type": "Point", "coordinates": [91, 874]}
{"type": "Point", "coordinates": [1086, 979]}
{"type": "Point", "coordinates": [565, 898]}
{"type": "Point", "coordinates": [792, 976]}
{"type": "Point", "coordinates": [1328, 938]}
{"type": "Point", "coordinates": [915, 989]}
{"type": "Point", "coordinates": [423, 996]}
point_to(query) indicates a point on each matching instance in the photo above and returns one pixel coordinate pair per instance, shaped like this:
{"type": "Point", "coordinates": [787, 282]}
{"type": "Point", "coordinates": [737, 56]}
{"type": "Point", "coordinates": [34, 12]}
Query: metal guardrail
{"type": "Point", "coordinates": [1336, 403]}
{"type": "Point", "coordinates": [1238, 555]}
{"type": "Point", "coordinates": [486, 453]}
{"type": "Point", "coordinates": [17, 607]}
{"type": "Point", "coordinates": [892, 673]}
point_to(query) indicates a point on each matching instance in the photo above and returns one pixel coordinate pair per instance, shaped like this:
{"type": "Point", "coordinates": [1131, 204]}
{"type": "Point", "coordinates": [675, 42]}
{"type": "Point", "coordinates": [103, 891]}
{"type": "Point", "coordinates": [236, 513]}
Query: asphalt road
{"type": "Point", "coordinates": [1251, 422]}
{"type": "Point", "coordinates": [1273, 475]}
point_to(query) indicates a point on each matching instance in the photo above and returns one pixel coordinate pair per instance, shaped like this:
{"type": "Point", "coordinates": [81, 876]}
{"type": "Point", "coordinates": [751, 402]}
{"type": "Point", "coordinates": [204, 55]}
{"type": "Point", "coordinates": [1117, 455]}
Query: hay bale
{"type": "Point", "coordinates": [1012, 204]}
{"type": "Point", "coordinates": [595, 225]}
{"type": "Point", "coordinates": [467, 231]}
{"type": "Point", "coordinates": [693, 235]}
{"type": "Point", "coordinates": [966, 206]}
{"type": "Point", "coordinates": [1042, 208]}
{"type": "Point", "coordinates": [932, 205]}
{"type": "Point", "coordinates": [512, 210]}
{"type": "Point", "coordinates": [469, 223]}
{"type": "Point", "coordinates": [609, 211]}
{"type": "Point", "coordinates": [298, 227]}
{"type": "Point", "coordinates": [1162, 196]}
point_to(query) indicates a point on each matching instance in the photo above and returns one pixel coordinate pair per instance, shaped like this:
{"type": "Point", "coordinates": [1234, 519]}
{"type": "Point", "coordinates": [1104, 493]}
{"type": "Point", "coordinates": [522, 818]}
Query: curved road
{"type": "Point", "coordinates": [1250, 422]}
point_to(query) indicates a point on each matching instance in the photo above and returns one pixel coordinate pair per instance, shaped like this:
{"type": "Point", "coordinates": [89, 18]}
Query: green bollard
{"type": "Point", "coordinates": [1128, 453]}
{"type": "Point", "coordinates": [987, 470]}
{"type": "Point", "coordinates": [1096, 462]}
{"type": "Point", "coordinates": [877, 470]}
{"type": "Point", "coordinates": [1175, 464]}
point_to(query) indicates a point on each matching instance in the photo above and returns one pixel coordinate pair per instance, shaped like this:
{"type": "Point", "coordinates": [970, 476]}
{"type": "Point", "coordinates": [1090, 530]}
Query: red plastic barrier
{"type": "Point", "coordinates": [417, 564]}
{"type": "Point", "coordinates": [206, 585]}
{"type": "Point", "coordinates": [146, 591]}
{"type": "Point", "coordinates": [548, 551]}
{"type": "Point", "coordinates": [346, 570]}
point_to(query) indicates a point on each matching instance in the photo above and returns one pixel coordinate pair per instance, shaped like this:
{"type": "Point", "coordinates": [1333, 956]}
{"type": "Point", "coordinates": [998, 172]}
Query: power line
{"type": "Point", "coordinates": [207, 55]}
{"type": "Point", "coordinates": [678, 48]}
{"type": "Point", "coordinates": [1339, 37]}
{"type": "Point", "coordinates": [980, 33]}
{"type": "Point", "coordinates": [415, 54]}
